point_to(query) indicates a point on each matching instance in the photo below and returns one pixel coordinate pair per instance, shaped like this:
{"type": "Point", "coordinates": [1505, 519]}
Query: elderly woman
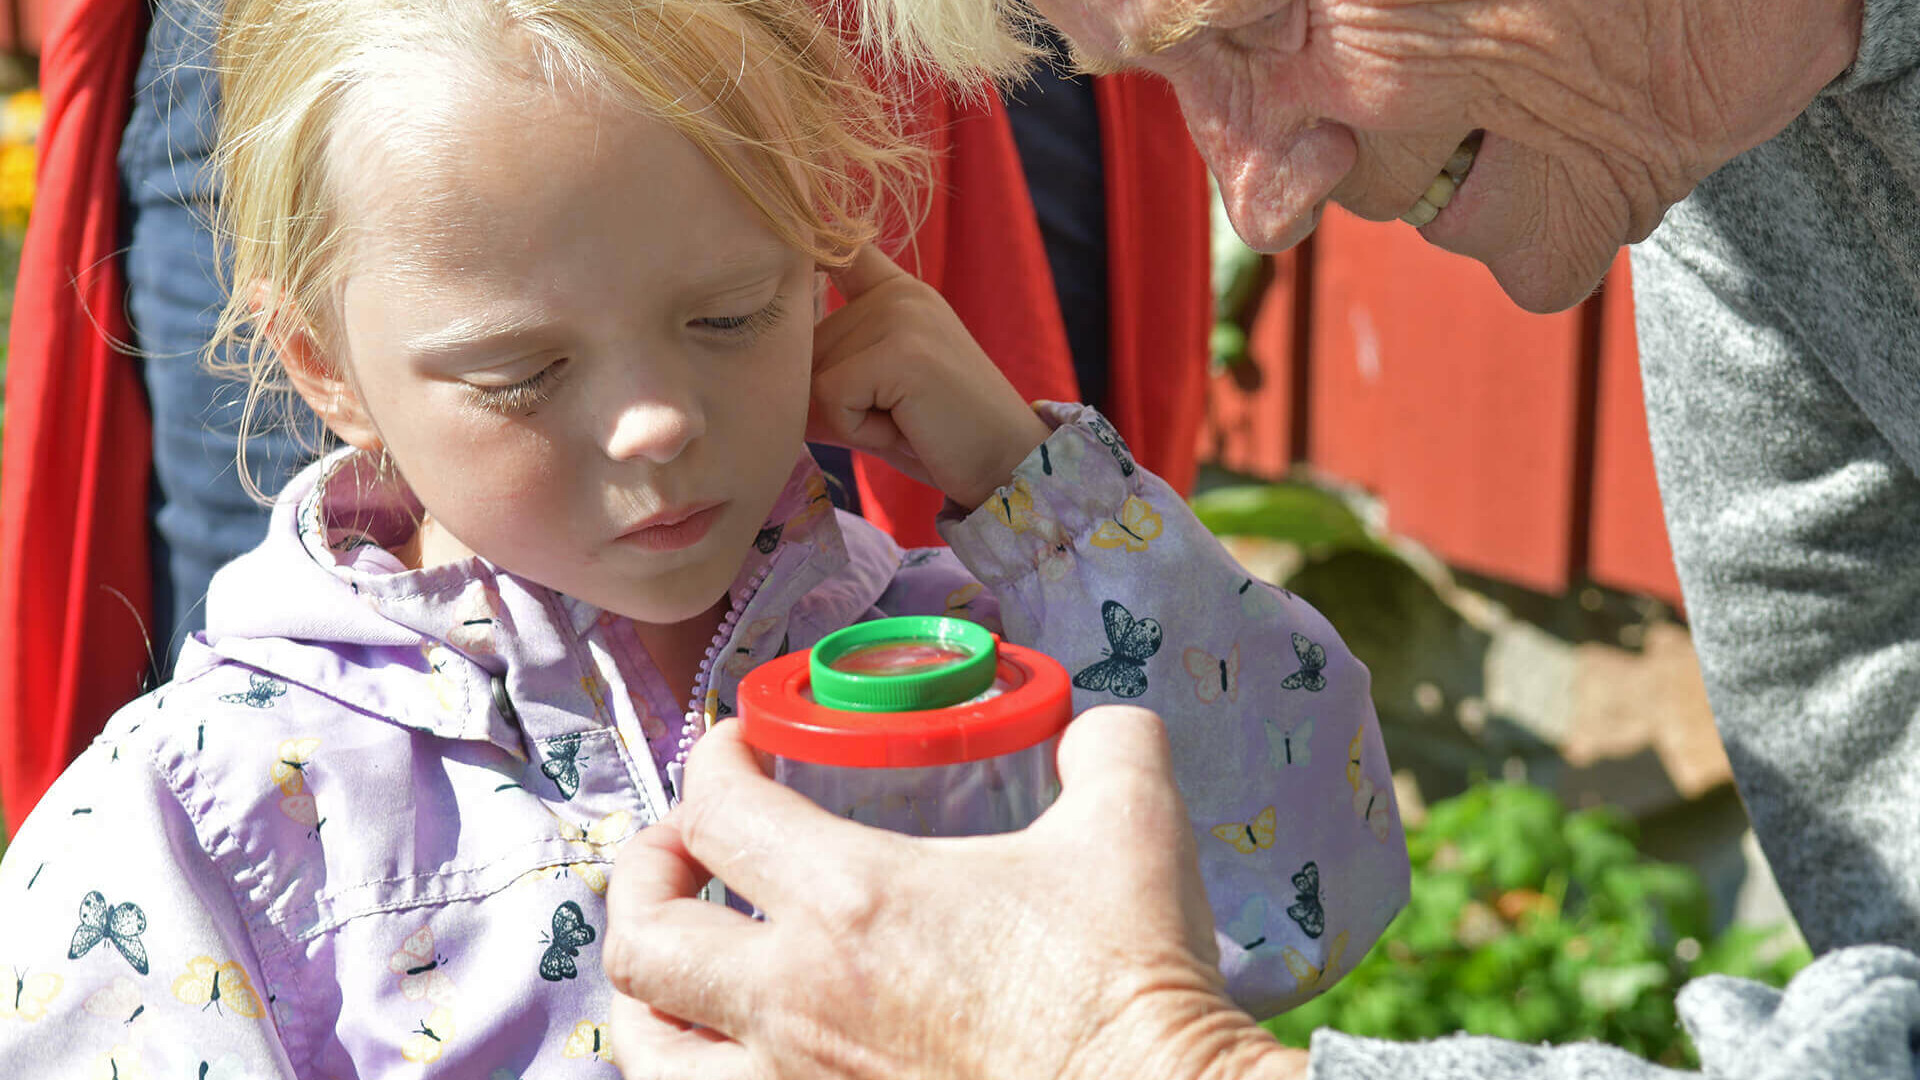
{"type": "Point", "coordinates": [1768, 151]}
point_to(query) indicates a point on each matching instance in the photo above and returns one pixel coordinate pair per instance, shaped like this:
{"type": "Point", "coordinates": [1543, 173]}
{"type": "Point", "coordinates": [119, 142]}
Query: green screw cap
{"type": "Point", "coordinates": [902, 664]}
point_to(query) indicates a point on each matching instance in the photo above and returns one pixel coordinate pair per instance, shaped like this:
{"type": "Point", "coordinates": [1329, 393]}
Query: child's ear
{"type": "Point", "coordinates": [321, 383]}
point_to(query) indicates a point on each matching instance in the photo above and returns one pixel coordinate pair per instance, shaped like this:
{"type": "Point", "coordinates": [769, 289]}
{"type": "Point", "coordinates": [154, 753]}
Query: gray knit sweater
{"type": "Point", "coordinates": [1779, 320]}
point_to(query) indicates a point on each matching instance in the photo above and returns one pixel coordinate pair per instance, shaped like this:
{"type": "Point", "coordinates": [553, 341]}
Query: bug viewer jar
{"type": "Point", "coordinates": [924, 725]}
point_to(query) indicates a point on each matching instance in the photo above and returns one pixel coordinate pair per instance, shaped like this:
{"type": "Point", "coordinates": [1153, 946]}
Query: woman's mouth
{"type": "Point", "coordinates": [1440, 192]}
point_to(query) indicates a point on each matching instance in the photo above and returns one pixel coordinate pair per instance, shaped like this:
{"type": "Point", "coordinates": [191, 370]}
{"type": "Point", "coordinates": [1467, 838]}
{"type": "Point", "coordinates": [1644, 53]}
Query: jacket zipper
{"type": "Point", "coordinates": [699, 719]}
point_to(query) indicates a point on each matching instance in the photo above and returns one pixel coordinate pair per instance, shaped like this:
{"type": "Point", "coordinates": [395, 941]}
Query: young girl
{"type": "Point", "coordinates": [548, 269]}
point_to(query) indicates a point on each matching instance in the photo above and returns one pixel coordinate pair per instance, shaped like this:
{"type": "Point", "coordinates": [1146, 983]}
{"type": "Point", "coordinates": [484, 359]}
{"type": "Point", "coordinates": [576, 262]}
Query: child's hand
{"type": "Point", "coordinates": [895, 374]}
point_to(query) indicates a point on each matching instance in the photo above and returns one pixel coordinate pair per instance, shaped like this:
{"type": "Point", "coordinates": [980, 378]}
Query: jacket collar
{"type": "Point", "coordinates": [452, 650]}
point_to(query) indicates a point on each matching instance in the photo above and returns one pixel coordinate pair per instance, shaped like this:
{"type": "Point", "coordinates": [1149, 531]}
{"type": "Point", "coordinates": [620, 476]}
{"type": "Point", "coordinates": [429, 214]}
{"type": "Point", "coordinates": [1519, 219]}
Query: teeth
{"type": "Point", "coordinates": [1440, 192]}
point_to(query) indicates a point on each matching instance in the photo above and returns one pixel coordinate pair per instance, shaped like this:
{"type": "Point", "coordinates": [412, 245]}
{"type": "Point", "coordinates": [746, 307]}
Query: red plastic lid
{"type": "Point", "coordinates": [780, 717]}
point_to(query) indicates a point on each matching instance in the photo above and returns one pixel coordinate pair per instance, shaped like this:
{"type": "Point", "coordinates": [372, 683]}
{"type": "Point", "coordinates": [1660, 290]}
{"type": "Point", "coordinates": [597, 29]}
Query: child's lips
{"type": "Point", "coordinates": [673, 529]}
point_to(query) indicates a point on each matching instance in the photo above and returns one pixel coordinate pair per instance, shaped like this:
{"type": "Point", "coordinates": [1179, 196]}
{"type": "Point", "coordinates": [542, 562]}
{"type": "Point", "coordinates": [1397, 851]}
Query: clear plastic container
{"type": "Point", "coordinates": [923, 725]}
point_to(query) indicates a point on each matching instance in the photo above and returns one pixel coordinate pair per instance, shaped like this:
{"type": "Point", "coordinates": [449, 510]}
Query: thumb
{"type": "Point", "coordinates": [869, 270]}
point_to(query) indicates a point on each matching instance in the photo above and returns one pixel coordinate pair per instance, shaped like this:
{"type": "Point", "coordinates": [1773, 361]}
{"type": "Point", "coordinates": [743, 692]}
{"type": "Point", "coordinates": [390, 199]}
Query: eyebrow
{"type": "Point", "coordinates": [473, 333]}
{"type": "Point", "coordinates": [1170, 24]}
{"type": "Point", "coordinates": [480, 334]}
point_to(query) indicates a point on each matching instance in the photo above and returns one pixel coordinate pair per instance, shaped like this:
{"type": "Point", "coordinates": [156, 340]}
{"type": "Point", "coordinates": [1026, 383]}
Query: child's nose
{"type": "Point", "coordinates": [656, 428]}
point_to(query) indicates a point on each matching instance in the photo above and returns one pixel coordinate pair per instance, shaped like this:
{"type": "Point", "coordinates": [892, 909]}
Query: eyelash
{"type": "Point", "coordinates": [524, 396]}
{"type": "Point", "coordinates": [747, 327]}
{"type": "Point", "coordinates": [530, 393]}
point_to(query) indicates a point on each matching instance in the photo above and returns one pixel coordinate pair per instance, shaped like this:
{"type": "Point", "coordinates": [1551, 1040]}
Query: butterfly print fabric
{"type": "Point", "coordinates": [327, 856]}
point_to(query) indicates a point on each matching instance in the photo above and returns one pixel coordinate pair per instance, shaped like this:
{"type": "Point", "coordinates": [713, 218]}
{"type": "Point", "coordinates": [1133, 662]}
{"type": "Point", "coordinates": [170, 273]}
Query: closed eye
{"type": "Point", "coordinates": [521, 398]}
{"type": "Point", "coordinates": [744, 327]}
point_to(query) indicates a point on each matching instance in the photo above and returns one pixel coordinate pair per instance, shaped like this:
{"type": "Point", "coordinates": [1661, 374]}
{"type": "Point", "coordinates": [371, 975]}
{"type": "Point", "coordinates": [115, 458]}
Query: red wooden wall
{"type": "Point", "coordinates": [1513, 445]}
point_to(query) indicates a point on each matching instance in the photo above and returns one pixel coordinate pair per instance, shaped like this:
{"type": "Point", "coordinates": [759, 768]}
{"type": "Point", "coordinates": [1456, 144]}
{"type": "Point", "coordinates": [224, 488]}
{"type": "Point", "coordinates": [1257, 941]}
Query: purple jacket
{"type": "Point", "coordinates": [369, 822]}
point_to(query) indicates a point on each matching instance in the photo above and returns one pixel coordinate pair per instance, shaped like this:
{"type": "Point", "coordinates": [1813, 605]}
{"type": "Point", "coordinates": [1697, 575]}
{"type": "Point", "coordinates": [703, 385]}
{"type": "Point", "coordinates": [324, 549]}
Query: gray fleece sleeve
{"type": "Point", "coordinates": [1889, 46]}
{"type": "Point", "coordinates": [1851, 1015]}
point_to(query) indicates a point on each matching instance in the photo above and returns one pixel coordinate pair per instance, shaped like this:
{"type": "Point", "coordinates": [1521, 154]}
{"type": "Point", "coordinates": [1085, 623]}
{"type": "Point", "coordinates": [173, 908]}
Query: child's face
{"type": "Point", "coordinates": [564, 324]}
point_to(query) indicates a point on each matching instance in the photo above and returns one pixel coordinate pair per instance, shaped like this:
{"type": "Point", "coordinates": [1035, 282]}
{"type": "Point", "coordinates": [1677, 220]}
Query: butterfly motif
{"type": "Point", "coordinates": [421, 969]}
{"type": "Point", "coordinates": [589, 1040]}
{"type": "Point", "coordinates": [478, 615]}
{"type": "Point", "coordinates": [208, 982]}
{"type": "Point", "coordinates": [1308, 908]}
{"type": "Point", "coordinates": [32, 994]}
{"type": "Point", "coordinates": [919, 557]}
{"type": "Point", "coordinates": [1289, 747]}
{"type": "Point", "coordinates": [227, 1068]}
{"type": "Point", "coordinates": [1062, 459]}
{"type": "Point", "coordinates": [289, 769]}
{"type": "Point", "coordinates": [1353, 759]}
{"type": "Point", "coordinates": [742, 661]}
{"type": "Point", "coordinates": [768, 538]}
{"type": "Point", "coordinates": [1372, 808]}
{"type": "Point", "coordinates": [563, 764]}
{"type": "Point", "coordinates": [1124, 672]}
{"type": "Point", "coordinates": [260, 693]}
{"type": "Point", "coordinates": [1056, 560]}
{"type": "Point", "coordinates": [120, 1063]}
{"type": "Point", "coordinates": [1214, 678]}
{"type": "Point", "coordinates": [818, 502]}
{"type": "Point", "coordinates": [1313, 659]}
{"type": "Point", "coordinates": [119, 1000]}
{"type": "Point", "coordinates": [1310, 978]}
{"type": "Point", "coordinates": [445, 690]}
{"type": "Point", "coordinates": [301, 809]}
{"type": "Point", "coordinates": [121, 924]}
{"type": "Point", "coordinates": [1114, 443]}
{"type": "Point", "coordinates": [503, 1074]}
{"type": "Point", "coordinates": [570, 932]}
{"type": "Point", "coordinates": [962, 598]}
{"type": "Point", "coordinates": [601, 838]}
{"type": "Point", "coordinates": [1258, 600]}
{"type": "Point", "coordinates": [1249, 929]}
{"type": "Point", "coordinates": [428, 1041]}
{"type": "Point", "coordinates": [1013, 507]}
{"type": "Point", "coordinates": [1137, 526]}
{"type": "Point", "coordinates": [1248, 837]}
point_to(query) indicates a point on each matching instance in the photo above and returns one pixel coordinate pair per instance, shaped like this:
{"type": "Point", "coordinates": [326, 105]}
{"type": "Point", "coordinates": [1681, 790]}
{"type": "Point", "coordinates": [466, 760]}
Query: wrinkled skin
{"type": "Point", "coordinates": [1599, 116]}
{"type": "Point", "coordinates": [876, 963]}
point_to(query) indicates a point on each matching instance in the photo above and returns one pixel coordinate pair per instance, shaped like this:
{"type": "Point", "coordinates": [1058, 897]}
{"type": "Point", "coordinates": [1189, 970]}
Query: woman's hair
{"type": "Point", "coordinates": [773, 98]}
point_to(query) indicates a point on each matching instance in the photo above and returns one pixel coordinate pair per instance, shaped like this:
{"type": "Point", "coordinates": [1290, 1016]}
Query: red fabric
{"type": "Point", "coordinates": [981, 247]}
{"type": "Point", "coordinates": [74, 579]}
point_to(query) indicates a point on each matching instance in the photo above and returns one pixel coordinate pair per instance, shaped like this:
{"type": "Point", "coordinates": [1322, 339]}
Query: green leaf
{"type": "Point", "coordinates": [1311, 517]}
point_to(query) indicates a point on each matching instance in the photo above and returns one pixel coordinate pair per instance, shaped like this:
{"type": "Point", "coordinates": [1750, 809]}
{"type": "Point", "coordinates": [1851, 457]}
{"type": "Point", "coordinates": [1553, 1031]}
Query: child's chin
{"type": "Point", "coordinates": [690, 597]}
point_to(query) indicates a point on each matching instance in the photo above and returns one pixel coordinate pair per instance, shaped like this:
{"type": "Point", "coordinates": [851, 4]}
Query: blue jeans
{"type": "Point", "coordinates": [200, 516]}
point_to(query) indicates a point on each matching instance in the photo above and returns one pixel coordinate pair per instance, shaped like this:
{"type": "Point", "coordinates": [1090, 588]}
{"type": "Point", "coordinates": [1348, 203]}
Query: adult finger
{"type": "Point", "coordinates": [665, 946]}
{"type": "Point", "coordinates": [766, 842]}
{"type": "Point", "coordinates": [648, 1046]}
{"type": "Point", "coordinates": [1115, 741]}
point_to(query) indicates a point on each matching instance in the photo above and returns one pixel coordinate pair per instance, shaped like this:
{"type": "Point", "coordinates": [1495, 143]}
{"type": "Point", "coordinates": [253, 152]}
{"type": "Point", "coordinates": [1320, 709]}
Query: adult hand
{"type": "Point", "coordinates": [1597, 116]}
{"type": "Point", "coordinates": [1081, 947]}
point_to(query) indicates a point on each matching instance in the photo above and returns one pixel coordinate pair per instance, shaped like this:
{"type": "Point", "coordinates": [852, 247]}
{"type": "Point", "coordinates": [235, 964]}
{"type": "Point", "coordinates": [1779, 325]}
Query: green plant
{"type": "Point", "coordinates": [1538, 925]}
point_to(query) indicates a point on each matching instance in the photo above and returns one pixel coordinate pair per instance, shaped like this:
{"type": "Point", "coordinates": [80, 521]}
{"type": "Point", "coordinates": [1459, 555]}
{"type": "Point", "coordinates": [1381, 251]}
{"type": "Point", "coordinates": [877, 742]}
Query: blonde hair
{"type": "Point", "coordinates": [769, 95]}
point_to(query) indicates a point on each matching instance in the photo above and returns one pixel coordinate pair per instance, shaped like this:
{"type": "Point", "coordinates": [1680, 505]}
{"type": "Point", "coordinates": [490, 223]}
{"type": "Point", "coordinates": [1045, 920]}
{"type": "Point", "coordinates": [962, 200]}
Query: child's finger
{"type": "Point", "coordinates": [869, 270]}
